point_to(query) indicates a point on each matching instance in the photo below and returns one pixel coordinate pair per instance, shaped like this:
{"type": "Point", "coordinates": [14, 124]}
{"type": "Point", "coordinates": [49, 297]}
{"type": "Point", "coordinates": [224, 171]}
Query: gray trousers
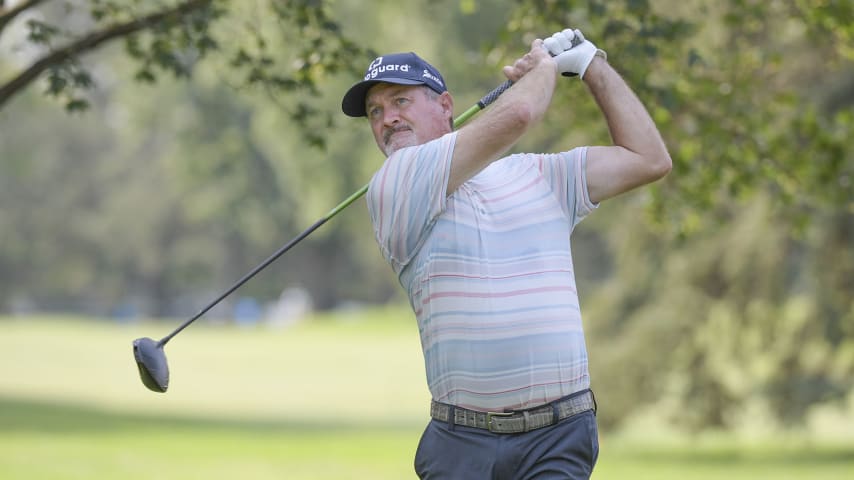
{"type": "Point", "coordinates": [566, 450]}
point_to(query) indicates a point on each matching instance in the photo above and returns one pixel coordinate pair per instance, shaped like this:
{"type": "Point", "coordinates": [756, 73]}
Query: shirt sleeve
{"type": "Point", "coordinates": [566, 172]}
{"type": "Point", "coordinates": [406, 195]}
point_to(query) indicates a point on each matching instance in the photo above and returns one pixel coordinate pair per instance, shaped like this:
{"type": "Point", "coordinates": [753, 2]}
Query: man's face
{"type": "Point", "coordinates": [407, 115]}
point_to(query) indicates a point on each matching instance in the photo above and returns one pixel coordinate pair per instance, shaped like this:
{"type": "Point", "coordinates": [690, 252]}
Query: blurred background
{"type": "Point", "coordinates": [152, 153]}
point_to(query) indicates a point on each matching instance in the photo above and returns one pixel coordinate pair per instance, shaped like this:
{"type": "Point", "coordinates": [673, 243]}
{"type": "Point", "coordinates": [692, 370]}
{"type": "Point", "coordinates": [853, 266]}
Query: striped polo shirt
{"type": "Point", "coordinates": [488, 271]}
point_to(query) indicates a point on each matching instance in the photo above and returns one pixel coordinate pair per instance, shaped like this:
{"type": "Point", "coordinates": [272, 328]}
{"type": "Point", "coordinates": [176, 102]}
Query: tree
{"type": "Point", "coordinates": [173, 36]}
{"type": "Point", "coordinates": [732, 289]}
{"type": "Point", "coordinates": [737, 89]}
{"type": "Point", "coordinates": [732, 301]}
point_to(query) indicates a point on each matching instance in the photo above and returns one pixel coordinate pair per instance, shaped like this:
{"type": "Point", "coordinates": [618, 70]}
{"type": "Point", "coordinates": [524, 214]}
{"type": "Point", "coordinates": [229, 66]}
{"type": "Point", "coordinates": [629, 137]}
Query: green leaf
{"type": "Point", "coordinates": [76, 105]}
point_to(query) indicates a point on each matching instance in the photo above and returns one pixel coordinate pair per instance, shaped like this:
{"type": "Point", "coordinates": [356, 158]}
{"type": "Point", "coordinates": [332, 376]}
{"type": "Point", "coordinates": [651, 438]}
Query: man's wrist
{"type": "Point", "coordinates": [595, 67]}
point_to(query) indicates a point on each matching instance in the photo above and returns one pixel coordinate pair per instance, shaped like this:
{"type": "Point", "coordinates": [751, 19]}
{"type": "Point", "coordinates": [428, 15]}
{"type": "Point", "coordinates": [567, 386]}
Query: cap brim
{"type": "Point", "coordinates": [353, 103]}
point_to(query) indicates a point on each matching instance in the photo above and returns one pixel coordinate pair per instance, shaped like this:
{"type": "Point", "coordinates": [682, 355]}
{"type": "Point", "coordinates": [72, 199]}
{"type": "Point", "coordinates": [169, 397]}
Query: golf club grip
{"type": "Point", "coordinates": [494, 94]}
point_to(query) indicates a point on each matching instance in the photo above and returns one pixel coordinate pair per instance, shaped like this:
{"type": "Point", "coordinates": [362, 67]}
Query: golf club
{"type": "Point", "coordinates": [149, 354]}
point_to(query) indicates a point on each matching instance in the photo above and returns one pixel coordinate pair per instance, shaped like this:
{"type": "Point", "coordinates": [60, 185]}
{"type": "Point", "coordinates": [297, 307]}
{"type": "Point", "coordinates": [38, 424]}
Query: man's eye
{"type": "Point", "coordinates": [401, 100]}
{"type": "Point", "coordinates": [374, 112]}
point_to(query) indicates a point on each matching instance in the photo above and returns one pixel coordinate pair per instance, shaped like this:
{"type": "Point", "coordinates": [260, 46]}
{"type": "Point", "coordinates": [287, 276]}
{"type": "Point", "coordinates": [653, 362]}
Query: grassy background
{"type": "Point", "coordinates": [337, 397]}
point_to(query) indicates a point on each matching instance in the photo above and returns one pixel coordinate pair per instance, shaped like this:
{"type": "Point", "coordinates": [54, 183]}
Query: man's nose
{"type": "Point", "coordinates": [391, 116]}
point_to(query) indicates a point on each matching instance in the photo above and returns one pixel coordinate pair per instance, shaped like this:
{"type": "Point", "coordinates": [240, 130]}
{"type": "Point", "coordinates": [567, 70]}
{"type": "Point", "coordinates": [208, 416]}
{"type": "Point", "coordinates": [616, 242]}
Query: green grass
{"type": "Point", "coordinates": [55, 441]}
{"type": "Point", "coordinates": [730, 460]}
{"type": "Point", "coordinates": [332, 399]}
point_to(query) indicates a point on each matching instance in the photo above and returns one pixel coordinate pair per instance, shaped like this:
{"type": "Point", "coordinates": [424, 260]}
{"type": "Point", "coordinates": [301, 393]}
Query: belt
{"type": "Point", "coordinates": [516, 421]}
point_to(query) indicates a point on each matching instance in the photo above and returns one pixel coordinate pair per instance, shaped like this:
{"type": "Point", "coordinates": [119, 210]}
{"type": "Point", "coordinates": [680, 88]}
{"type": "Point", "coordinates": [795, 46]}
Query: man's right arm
{"type": "Point", "coordinates": [492, 133]}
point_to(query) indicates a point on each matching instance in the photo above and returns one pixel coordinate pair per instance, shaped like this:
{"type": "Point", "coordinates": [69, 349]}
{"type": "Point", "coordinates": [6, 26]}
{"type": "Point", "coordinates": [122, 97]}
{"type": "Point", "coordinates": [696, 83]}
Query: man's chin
{"type": "Point", "coordinates": [389, 151]}
{"type": "Point", "coordinates": [394, 146]}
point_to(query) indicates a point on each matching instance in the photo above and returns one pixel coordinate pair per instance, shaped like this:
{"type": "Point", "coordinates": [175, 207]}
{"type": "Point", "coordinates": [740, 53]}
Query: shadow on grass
{"type": "Point", "coordinates": [39, 416]}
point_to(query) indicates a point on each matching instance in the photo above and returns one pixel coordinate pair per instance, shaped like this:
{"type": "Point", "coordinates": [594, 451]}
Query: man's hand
{"type": "Point", "coordinates": [528, 62]}
{"type": "Point", "coordinates": [572, 52]}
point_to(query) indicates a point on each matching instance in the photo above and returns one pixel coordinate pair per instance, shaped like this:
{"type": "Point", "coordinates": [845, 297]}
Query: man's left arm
{"type": "Point", "coordinates": [638, 155]}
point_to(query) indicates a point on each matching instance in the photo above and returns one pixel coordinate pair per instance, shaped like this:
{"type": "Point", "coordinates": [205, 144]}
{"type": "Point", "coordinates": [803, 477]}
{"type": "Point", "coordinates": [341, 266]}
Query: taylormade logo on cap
{"type": "Point", "coordinates": [399, 68]}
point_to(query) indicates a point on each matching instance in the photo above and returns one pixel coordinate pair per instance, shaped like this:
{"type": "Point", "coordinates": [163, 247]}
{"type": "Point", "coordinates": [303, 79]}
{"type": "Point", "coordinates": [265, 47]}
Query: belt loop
{"type": "Point", "coordinates": [555, 412]}
{"type": "Point", "coordinates": [452, 421]}
{"type": "Point", "coordinates": [595, 406]}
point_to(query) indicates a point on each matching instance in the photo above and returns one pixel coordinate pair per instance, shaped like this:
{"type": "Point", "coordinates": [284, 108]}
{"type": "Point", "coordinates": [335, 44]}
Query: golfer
{"type": "Point", "coordinates": [481, 243]}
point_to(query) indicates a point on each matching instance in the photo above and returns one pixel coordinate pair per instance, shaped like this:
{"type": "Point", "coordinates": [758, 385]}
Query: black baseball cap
{"type": "Point", "coordinates": [399, 68]}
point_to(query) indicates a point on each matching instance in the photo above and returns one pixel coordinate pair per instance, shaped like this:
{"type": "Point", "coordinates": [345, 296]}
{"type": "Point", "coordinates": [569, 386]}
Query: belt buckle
{"type": "Point", "coordinates": [490, 415]}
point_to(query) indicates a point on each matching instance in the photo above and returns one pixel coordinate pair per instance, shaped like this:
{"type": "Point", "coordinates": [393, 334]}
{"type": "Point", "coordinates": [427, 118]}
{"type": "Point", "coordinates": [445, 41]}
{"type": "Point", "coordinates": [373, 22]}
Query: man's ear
{"type": "Point", "coordinates": [447, 102]}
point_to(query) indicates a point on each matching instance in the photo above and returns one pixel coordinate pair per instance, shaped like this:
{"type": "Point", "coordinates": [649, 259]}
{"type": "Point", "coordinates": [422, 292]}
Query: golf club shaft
{"type": "Point", "coordinates": [459, 121]}
{"type": "Point", "coordinates": [249, 275]}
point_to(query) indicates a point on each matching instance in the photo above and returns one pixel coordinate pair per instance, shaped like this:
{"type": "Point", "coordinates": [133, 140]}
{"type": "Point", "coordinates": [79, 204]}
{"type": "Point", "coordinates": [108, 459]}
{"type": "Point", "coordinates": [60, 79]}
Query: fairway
{"type": "Point", "coordinates": [339, 397]}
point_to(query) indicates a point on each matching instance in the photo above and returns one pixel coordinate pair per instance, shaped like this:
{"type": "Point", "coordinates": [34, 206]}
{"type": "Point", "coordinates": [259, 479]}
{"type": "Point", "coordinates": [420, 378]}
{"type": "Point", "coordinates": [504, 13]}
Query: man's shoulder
{"type": "Point", "coordinates": [410, 164]}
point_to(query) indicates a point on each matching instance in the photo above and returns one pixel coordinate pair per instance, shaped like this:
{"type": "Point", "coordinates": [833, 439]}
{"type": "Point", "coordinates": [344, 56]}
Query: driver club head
{"type": "Point", "coordinates": [151, 360]}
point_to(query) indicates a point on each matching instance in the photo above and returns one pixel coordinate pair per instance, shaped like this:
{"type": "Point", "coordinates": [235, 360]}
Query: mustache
{"type": "Point", "coordinates": [391, 131]}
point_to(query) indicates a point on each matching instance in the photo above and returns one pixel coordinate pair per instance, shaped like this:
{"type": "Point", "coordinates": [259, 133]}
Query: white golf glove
{"type": "Point", "coordinates": [572, 52]}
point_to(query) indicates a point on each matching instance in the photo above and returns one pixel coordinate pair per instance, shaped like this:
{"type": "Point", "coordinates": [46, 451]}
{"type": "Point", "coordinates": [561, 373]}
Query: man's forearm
{"type": "Point", "coordinates": [497, 129]}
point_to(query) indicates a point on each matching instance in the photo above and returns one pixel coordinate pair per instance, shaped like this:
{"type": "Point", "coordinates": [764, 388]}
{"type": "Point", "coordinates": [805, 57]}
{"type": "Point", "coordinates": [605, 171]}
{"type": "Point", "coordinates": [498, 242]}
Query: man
{"type": "Point", "coordinates": [481, 245]}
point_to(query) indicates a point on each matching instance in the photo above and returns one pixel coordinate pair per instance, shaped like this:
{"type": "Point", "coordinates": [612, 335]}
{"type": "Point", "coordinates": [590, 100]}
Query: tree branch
{"type": "Point", "coordinates": [93, 41]}
{"type": "Point", "coordinates": [9, 14]}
